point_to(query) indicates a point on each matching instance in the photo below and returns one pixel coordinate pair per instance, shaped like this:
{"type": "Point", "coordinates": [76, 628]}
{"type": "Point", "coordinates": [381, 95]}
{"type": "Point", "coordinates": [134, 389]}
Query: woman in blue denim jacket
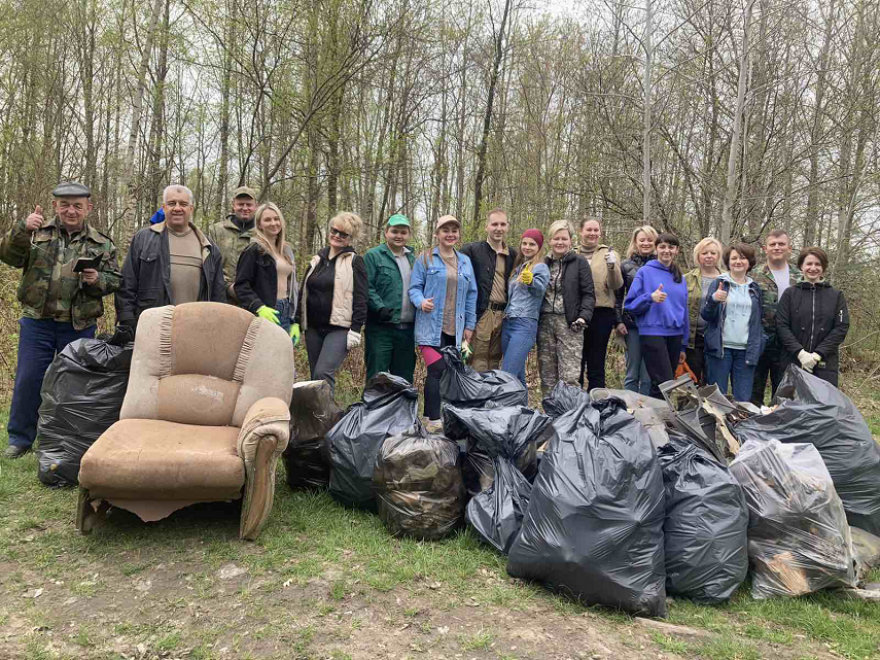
{"type": "Point", "coordinates": [525, 292]}
{"type": "Point", "coordinates": [443, 290]}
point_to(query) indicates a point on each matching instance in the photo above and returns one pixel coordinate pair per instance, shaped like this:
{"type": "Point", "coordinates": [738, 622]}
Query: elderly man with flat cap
{"type": "Point", "coordinates": [234, 234]}
{"type": "Point", "coordinates": [67, 269]}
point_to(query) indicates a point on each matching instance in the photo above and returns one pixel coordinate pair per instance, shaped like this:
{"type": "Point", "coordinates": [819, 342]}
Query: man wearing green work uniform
{"type": "Point", "coordinates": [390, 339]}
{"type": "Point", "coordinates": [234, 234]}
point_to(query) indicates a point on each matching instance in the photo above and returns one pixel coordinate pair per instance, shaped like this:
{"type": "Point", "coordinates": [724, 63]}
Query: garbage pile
{"type": "Point", "coordinates": [418, 485]}
{"type": "Point", "coordinates": [612, 498]}
{"type": "Point", "coordinates": [82, 395]}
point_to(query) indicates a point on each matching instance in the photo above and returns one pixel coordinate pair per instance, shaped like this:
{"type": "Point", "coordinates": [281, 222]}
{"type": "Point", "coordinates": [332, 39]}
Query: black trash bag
{"type": "Point", "coordinates": [707, 521]}
{"type": "Point", "coordinates": [564, 398]}
{"type": "Point", "coordinates": [313, 412]}
{"type": "Point", "coordinates": [812, 410]}
{"type": "Point", "coordinates": [419, 491]}
{"type": "Point", "coordinates": [514, 433]}
{"type": "Point", "coordinates": [799, 540]}
{"type": "Point", "coordinates": [496, 514]}
{"type": "Point", "coordinates": [594, 527]}
{"type": "Point", "coordinates": [388, 408]}
{"type": "Point", "coordinates": [463, 387]}
{"type": "Point", "coordinates": [82, 395]}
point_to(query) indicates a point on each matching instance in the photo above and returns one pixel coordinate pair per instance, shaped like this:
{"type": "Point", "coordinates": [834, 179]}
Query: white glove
{"type": "Point", "coordinates": [610, 258]}
{"type": "Point", "coordinates": [807, 361]}
{"type": "Point", "coordinates": [353, 340]}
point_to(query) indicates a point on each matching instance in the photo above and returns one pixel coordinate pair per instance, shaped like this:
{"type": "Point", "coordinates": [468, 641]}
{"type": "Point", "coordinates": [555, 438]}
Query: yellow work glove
{"type": "Point", "coordinates": [294, 333]}
{"type": "Point", "coordinates": [526, 276]}
{"type": "Point", "coordinates": [269, 314]}
{"type": "Point", "coordinates": [466, 350]}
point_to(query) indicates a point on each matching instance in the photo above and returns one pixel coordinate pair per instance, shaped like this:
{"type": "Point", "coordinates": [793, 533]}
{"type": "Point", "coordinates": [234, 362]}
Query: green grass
{"type": "Point", "coordinates": [342, 570]}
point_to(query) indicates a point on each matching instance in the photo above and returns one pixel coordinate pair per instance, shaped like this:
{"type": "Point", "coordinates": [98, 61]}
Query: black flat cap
{"type": "Point", "coordinates": [71, 189]}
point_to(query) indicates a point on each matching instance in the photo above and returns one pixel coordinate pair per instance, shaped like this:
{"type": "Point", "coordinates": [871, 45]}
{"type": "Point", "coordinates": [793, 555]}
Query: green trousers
{"type": "Point", "coordinates": [390, 348]}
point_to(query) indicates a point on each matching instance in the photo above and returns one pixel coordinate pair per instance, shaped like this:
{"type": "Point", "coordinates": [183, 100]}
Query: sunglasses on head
{"type": "Point", "coordinates": [338, 232]}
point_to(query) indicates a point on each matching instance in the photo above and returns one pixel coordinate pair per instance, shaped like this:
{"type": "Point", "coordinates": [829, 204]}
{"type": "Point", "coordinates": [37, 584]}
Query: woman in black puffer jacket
{"type": "Point", "coordinates": [639, 252]}
{"type": "Point", "coordinates": [812, 319]}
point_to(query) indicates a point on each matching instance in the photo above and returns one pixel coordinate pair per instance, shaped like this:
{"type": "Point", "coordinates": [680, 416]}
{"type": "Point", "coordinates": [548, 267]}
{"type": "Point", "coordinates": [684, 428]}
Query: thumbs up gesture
{"type": "Point", "coordinates": [658, 296]}
{"type": "Point", "coordinates": [526, 276]}
{"type": "Point", "coordinates": [720, 294]}
{"type": "Point", "coordinates": [610, 258]}
{"type": "Point", "coordinates": [34, 220]}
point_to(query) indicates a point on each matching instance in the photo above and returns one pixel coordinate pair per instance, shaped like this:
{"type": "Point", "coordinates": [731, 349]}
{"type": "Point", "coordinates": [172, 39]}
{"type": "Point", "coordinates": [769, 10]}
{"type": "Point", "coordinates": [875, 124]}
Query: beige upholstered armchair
{"type": "Point", "coordinates": [205, 417]}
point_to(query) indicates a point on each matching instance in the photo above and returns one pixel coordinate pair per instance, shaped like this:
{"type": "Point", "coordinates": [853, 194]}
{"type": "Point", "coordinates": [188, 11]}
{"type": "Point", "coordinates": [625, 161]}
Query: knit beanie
{"type": "Point", "coordinates": [535, 235]}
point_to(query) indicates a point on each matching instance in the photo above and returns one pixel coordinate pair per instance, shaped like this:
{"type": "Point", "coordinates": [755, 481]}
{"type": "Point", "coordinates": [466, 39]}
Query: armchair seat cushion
{"type": "Point", "coordinates": [158, 460]}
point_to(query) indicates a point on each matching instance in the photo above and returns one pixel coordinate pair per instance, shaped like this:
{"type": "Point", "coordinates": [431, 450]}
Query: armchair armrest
{"type": "Point", "coordinates": [264, 435]}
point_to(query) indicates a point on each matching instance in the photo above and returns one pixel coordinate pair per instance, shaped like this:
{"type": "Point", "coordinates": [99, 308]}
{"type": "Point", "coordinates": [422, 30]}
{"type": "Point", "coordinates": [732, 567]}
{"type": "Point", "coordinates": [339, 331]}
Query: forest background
{"type": "Point", "coordinates": [700, 117]}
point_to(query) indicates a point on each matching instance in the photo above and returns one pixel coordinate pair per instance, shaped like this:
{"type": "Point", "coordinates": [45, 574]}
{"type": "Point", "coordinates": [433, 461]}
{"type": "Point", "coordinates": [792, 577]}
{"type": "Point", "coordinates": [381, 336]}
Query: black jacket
{"type": "Point", "coordinates": [483, 259]}
{"type": "Point", "coordinates": [146, 274]}
{"type": "Point", "coordinates": [814, 318]}
{"type": "Point", "coordinates": [321, 266]}
{"type": "Point", "coordinates": [256, 280]}
{"type": "Point", "coordinates": [629, 267]}
{"type": "Point", "coordinates": [578, 294]}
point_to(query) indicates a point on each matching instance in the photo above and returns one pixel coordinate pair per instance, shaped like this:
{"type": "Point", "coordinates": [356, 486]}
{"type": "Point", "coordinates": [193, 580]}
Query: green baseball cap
{"type": "Point", "coordinates": [398, 220]}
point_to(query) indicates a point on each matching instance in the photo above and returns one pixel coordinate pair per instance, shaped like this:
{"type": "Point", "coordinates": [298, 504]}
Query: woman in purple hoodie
{"type": "Point", "coordinates": [657, 300]}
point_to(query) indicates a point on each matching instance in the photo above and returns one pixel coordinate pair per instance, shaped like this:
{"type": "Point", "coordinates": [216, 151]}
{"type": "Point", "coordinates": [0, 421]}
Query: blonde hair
{"type": "Point", "coordinates": [559, 225]}
{"type": "Point", "coordinates": [351, 223]}
{"type": "Point", "coordinates": [702, 245]}
{"type": "Point", "coordinates": [260, 238]}
{"type": "Point", "coordinates": [632, 248]}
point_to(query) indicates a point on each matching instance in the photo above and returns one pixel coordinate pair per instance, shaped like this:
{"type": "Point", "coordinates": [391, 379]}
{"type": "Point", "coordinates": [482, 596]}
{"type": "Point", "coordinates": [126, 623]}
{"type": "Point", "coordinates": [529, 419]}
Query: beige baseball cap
{"type": "Point", "coordinates": [446, 220]}
{"type": "Point", "coordinates": [244, 191]}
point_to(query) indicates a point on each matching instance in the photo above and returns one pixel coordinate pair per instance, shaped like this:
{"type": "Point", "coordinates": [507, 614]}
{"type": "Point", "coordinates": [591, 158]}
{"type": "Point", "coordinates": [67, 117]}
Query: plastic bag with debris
{"type": "Point", "coordinates": [313, 412]}
{"type": "Point", "coordinates": [812, 410]}
{"type": "Point", "coordinates": [389, 407]}
{"type": "Point", "coordinates": [81, 398]}
{"type": "Point", "coordinates": [563, 398]}
{"type": "Point", "coordinates": [594, 526]}
{"type": "Point", "coordinates": [799, 540]}
{"type": "Point", "coordinates": [418, 485]}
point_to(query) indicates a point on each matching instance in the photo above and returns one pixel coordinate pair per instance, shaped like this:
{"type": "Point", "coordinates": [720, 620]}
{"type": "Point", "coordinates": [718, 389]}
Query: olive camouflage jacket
{"type": "Point", "coordinates": [47, 258]}
{"type": "Point", "coordinates": [764, 278]}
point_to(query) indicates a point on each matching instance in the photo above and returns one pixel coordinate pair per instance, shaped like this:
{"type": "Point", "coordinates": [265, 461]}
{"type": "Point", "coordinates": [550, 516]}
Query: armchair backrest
{"type": "Point", "coordinates": [205, 363]}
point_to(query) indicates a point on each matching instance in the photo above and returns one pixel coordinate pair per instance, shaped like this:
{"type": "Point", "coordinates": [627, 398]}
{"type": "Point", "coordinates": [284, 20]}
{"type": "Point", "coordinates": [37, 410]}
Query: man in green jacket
{"type": "Point", "coordinates": [234, 234]}
{"type": "Point", "coordinates": [390, 337]}
{"type": "Point", "coordinates": [67, 269]}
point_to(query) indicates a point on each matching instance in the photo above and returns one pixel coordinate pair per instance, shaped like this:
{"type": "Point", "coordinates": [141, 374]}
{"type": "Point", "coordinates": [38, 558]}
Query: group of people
{"type": "Point", "coordinates": [489, 299]}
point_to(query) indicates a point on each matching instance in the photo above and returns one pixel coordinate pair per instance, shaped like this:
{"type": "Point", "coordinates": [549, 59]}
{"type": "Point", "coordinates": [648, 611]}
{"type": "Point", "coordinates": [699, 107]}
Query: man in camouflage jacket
{"type": "Point", "coordinates": [59, 302]}
{"type": "Point", "coordinates": [775, 270]}
{"type": "Point", "coordinates": [234, 234]}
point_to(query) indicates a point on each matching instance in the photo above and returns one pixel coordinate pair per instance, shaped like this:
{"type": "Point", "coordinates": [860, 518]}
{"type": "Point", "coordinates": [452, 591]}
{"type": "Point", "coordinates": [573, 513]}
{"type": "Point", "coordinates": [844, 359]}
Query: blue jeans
{"type": "Point", "coordinates": [283, 309]}
{"type": "Point", "coordinates": [517, 338]}
{"type": "Point", "coordinates": [39, 340]}
{"type": "Point", "coordinates": [731, 366]}
{"type": "Point", "coordinates": [637, 379]}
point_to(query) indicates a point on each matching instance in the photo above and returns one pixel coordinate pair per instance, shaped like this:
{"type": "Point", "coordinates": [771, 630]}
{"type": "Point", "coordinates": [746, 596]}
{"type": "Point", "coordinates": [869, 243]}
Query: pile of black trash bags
{"type": "Point", "coordinates": [607, 497]}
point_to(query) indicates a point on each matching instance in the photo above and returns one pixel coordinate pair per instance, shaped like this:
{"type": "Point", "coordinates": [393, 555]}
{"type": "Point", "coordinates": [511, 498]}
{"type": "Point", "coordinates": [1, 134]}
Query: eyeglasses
{"type": "Point", "coordinates": [337, 232]}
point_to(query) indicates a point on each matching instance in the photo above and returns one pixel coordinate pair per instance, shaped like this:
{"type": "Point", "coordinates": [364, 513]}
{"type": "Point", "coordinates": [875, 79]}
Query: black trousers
{"type": "Point", "coordinates": [432, 381]}
{"type": "Point", "coordinates": [772, 363]}
{"type": "Point", "coordinates": [661, 358]}
{"type": "Point", "coordinates": [596, 338]}
{"type": "Point", "coordinates": [696, 357]}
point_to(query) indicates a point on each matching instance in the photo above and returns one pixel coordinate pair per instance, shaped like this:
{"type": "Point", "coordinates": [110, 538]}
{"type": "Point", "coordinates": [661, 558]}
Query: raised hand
{"type": "Point", "coordinates": [658, 296]}
{"type": "Point", "coordinates": [34, 220]}
{"type": "Point", "coordinates": [720, 294]}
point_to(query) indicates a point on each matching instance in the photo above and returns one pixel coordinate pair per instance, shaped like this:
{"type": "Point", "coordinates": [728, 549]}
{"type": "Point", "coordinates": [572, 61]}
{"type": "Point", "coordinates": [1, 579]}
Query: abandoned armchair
{"type": "Point", "coordinates": [205, 417]}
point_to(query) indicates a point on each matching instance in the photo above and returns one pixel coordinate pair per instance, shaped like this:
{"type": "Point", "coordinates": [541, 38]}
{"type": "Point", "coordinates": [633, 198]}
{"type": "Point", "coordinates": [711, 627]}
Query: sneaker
{"type": "Point", "coordinates": [15, 451]}
{"type": "Point", "coordinates": [434, 426]}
